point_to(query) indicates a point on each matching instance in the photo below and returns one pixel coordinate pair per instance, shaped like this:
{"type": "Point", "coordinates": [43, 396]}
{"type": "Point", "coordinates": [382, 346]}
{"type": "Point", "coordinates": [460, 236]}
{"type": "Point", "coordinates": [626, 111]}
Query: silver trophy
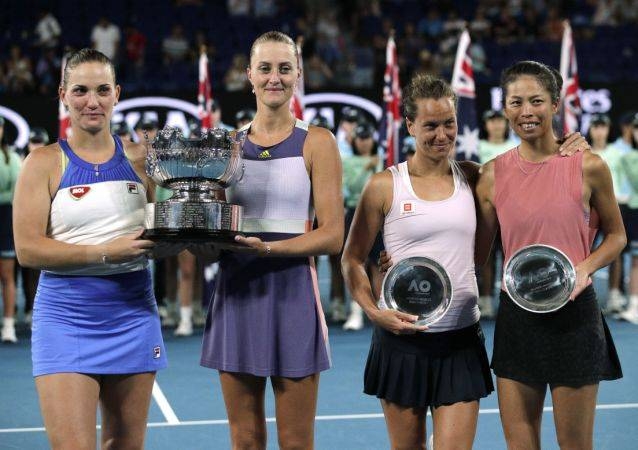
{"type": "Point", "coordinates": [539, 278]}
{"type": "Point", "coordinates": [194, 168]}
{"type": "Point", "coordinates": [419, 286]}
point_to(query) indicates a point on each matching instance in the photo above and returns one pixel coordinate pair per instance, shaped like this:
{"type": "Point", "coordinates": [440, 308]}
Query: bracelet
{"type": "Point", "coordinates": [268, 249]}
{"type": "Point", "coordinates": [105, 258]}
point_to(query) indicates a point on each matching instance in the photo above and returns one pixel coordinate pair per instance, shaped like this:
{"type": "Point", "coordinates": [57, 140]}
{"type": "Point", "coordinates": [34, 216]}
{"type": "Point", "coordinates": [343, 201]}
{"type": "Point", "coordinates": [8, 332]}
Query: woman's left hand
{"type": "Point", "coordinates": [572, 143]}
{"type": "Point", "coordinates": [582, 280]}
{"type": "Point", "coordinates": [251, 245]}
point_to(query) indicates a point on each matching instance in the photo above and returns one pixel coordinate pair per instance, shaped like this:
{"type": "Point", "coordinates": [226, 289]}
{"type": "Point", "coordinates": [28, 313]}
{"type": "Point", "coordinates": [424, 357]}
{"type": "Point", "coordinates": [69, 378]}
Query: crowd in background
{"type": "Point", "coordinates": [344, 45]}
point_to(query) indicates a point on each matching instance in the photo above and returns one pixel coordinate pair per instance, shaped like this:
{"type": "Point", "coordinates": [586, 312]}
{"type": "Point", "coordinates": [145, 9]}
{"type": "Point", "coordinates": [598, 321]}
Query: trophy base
{"type": "Point", "coordinates": [195, 236]}
{"type": "Point", "coordinates": [195, 222]}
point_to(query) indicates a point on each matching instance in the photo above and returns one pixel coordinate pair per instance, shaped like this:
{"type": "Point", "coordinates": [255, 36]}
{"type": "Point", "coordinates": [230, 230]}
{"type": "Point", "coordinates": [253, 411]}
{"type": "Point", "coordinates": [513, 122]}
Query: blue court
{"type": "Point", "coordinates": [187, 412]}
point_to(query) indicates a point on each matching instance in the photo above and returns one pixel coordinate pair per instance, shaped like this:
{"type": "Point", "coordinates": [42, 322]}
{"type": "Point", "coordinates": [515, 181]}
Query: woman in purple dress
{"type": "Point", "coordinates": [265, 318]}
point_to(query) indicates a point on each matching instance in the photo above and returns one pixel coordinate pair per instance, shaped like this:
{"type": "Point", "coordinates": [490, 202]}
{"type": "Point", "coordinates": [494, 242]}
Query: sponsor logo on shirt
{"type": "Point", "coordinates": [132, 188]}
{"type": "Point", "coordinates": [77, 192]}
{"type": "Point", "coordinates": [407, 207]}
{"type": "Point", "coordinates": [157, 352]}
{"type": "Point", "coordinates": [264, 155]}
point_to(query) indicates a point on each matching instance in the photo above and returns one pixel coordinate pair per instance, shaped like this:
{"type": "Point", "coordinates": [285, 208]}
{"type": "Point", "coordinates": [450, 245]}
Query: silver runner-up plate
{"type": "Point", "coordinates": [418, 285]}
{"type": "Point", "coordinates": [539, 278]}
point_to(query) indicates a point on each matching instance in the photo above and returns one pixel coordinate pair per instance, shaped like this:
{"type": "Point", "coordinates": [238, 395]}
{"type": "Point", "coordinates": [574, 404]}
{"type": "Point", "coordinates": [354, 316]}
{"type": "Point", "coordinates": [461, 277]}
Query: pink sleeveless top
{"type": "Point", "coordinates": [442, 230]}
{"type": "Point", "coordinates": [541, 203]}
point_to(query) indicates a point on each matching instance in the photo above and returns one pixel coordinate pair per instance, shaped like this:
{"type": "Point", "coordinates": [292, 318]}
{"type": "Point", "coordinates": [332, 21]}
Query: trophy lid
{"type": "Point", "coordinates": [539, 278]}
{"type": "Point", "coordinates": [418, 285]}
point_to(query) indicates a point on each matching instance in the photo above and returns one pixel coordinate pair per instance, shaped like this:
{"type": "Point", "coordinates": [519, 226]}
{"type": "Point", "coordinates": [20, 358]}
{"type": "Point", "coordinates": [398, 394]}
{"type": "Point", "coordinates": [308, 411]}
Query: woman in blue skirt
{"type": "Point", "coordinates": [79, 210]}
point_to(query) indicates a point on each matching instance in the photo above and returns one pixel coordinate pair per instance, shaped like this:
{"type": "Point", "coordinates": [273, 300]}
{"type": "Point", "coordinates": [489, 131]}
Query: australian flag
{"type": "Point", "coordinates": [391, 123]}
{"type": "Point", "coordinates": [204, 93]}
{"type": "Point", "coordinates": [467, 141]}
{"type": "Point", "coordinates": [570, 102]}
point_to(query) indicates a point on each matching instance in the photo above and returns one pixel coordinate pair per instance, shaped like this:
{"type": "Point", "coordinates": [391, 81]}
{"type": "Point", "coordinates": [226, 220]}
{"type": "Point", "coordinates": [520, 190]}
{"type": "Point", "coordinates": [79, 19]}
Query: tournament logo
{"type": "Point", "coordinates": [77, 192]}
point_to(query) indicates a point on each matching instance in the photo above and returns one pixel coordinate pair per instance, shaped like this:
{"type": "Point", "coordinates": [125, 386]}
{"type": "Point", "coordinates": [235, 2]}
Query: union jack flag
{"type": "Point", "coordinates": [570, 101]}
{"type": "Point", "coordinates": [64, 120]}
{"type": "Point", "coordinates": [467, 141]}
{"type": "Point", "coordinates": [392, 100]}
{"type": "Point", "coordinates": [204, 94]}
{"type": "Point", "coordinates": [296, 103]}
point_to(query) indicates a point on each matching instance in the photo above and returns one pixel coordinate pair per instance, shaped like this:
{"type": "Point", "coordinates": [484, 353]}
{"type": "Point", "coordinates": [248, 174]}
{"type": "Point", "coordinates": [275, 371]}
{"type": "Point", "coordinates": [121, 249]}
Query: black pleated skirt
{"type": "Point", "coordinates": [428, 369]}
{"type": "Point", "coordinates": [571, 346]}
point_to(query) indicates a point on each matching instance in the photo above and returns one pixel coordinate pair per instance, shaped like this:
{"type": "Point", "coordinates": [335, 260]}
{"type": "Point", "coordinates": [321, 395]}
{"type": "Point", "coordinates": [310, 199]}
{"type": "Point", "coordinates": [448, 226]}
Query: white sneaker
{"type": "Point", "coordinates": [615, 302]}
{"type": "Point", "coordinates": [355, 319]}
{"type": "Point", "coordinates": [338, 311]}
{"type": "Point", "coordinates": [9, 333]}
{"type": "Point", "coordinates": [485, 306]}
{"type": "Point", "coordinates": [184, 328]}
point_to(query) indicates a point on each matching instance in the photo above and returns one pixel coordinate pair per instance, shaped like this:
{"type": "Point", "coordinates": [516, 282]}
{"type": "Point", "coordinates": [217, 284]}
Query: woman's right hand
{"type": "Point", "coordinates": [127, 248]}
{"type": "Point", "coordinates": [384, 261]}
{"type": "Point", "coordinates": [396, 322]}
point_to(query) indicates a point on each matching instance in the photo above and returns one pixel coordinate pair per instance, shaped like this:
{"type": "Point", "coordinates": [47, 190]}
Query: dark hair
{"type": "Point", "coordinates": [82, 56]}
{"type": "Point", "coordinates": [424, 86]}
{"type": "Point", "coordinates": [274, 36]}
{"type": "Point", "coordinates": [548, 77]}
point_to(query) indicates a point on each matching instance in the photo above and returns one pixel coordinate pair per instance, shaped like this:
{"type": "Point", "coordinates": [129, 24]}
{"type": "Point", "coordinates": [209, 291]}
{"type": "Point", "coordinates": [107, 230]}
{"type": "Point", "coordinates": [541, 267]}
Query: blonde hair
{"type": "Point", "coordinates": [275, 36]}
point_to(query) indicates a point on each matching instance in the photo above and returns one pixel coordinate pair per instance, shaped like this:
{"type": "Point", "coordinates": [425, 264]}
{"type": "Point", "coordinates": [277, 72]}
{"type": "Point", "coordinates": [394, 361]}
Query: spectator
{"type": "Point", "coordinates": [217, 116]}
{"type": "Point", "coordinates": [47, 30]}
{"type": "Point", "coordinates": [238, 7]}
{"type": "Point", "coordinates": [135, 49]}
{"type": "Point", "coordinates": [236, 78]}
{"type": "Point", "coordinates": [47, 71]}
{"type": "Point", "coordinates": [317, 73]}
{"type": "Point", "coordinates": [598, 134]}
{"type": "Point", "coordinates": [105, 38]}
{"type": "Point", "coordinates": [9, 168]}
{"type": "Point", "coordinates": [244, 117]}
{"type": "Point", "coordinates": [38, 137]}
{"type": "Point", "coordinates": [175, 46]}
{"type": "Point", "coordinates": [19, 76]}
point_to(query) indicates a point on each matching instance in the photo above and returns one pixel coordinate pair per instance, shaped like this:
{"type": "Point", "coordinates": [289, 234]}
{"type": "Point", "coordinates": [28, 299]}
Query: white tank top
{"type": "Point", "coordinates": [442, 230]}
{"type": "Point", "coordinates": [97, 203]}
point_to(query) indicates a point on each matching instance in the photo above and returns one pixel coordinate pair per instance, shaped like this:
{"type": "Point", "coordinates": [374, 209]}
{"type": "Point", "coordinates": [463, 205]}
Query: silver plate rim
{"type": "Point", "coordinates": [422, 261]}
{"type": "Point", "coordinates": [509, 281]}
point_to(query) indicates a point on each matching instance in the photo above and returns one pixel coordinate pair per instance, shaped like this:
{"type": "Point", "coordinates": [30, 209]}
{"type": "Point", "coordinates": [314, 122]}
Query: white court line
{"type": "Point", "coordinates": [177, 423]}
{"type": "Point", "coordinates": [164, 406]}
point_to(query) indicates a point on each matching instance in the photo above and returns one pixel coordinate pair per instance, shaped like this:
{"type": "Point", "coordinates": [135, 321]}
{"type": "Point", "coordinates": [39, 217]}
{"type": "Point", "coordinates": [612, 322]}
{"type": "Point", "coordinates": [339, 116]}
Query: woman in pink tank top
{"type": "Point", "coordinates": [446, 368]}
{"type": "Point", "coordinates": [536, 197]}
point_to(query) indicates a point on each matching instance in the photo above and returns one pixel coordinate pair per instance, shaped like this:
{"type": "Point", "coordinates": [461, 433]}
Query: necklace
{"type": "Point", "coordinates": [539, 165]}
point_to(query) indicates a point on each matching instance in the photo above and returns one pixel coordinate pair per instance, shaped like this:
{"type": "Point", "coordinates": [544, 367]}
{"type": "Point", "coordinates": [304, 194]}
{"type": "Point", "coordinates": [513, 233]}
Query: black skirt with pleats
{"type": "Point", "coordinates": [571, 346]}
{"type": "Point", "coordinates": [428, 369]}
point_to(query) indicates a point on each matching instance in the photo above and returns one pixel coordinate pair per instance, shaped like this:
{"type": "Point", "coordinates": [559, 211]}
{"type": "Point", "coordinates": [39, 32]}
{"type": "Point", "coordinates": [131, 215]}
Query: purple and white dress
{"type": "Point", "coordinates": [265, 317]}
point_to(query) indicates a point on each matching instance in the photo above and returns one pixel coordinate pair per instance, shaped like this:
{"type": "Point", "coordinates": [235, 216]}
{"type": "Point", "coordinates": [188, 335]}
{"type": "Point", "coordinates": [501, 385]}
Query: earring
{"type": "Point", "coordinates": [253, 90]}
